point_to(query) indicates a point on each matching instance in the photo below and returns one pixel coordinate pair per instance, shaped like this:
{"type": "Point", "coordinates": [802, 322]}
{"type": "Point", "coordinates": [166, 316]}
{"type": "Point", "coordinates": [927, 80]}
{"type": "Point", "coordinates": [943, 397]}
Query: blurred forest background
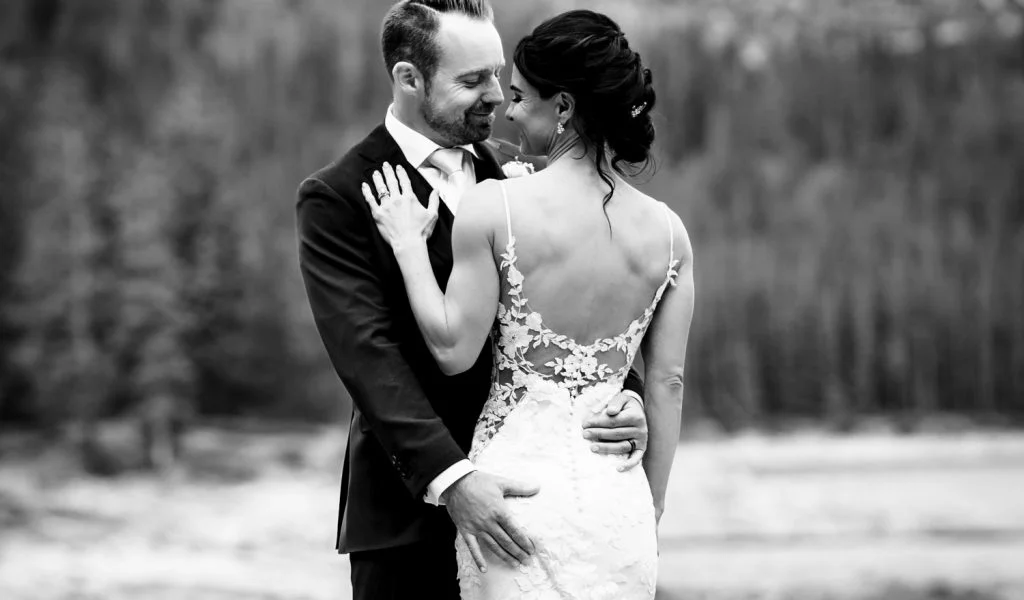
{"type": "Point", "coordinates": [851, 174]}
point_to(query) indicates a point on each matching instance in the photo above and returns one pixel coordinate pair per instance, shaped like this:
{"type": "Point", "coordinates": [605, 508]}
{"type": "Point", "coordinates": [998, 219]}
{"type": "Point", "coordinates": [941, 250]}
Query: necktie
{"type": "Point", "coordinates": [450, 162]}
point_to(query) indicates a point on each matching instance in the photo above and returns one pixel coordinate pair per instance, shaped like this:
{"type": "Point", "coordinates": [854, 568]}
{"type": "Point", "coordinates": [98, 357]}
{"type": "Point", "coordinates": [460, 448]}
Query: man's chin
{"type": "Point", "coordinates": [480, 123]}
{"type": "Point", "coordinates": [485, 132]}
{"type": "Point", "coordinates": [478, 133]}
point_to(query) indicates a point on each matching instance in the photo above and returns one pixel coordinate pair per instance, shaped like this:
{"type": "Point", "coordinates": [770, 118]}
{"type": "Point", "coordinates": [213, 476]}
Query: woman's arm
{"type": "Point", "coordinates": [455, 322]}
{"type": "Point", "coordinates": [664, 351]}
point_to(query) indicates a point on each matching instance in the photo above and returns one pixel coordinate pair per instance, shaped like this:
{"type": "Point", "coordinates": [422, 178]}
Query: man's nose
{"type": "Point", "coordinates": [493, 93]}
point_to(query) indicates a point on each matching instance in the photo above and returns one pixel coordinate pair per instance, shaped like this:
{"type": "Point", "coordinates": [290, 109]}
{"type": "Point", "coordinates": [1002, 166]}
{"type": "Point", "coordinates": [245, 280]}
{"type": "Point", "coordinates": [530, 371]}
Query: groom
{"type": "Point", "coordinates": [411, 424]}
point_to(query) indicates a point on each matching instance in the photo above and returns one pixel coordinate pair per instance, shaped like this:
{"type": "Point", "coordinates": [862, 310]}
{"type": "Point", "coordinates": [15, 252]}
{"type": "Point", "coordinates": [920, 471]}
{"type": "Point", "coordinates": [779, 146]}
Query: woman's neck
{"type": "Point", "coordinates": [565, 147]}
{"type": "Point", "coordinates": [568, 155]}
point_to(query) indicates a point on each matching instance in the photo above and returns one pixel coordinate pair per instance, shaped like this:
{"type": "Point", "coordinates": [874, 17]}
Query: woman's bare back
{"type": "Point", "coordinates": [588, 276]}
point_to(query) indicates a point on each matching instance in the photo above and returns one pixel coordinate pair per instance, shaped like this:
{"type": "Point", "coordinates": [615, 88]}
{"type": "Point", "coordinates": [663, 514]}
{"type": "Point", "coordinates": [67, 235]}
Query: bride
{"type": "Point", "coordinates": [572, 271]}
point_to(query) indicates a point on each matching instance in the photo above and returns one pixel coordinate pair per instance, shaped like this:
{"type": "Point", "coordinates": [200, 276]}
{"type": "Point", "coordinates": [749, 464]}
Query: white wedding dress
{"type": "Point", "coordinates": [593, 525]}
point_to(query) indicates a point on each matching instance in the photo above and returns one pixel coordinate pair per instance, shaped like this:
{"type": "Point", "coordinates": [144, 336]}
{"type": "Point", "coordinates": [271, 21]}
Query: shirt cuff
{"type": "Point", "coordinates": [634, 395]}
{"type": "Point", "coordinates": [442, 482]}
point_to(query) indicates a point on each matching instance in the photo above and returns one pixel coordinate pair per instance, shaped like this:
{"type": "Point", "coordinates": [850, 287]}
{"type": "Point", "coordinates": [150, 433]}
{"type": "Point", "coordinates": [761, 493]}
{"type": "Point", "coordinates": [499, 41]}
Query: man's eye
{"type": "Point", "coordinates": [517, 99]}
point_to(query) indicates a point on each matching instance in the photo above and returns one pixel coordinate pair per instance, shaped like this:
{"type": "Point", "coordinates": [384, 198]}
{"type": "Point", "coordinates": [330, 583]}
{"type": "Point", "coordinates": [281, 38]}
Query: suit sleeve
{"type": "Point", "coordinates": [340, 262]}
{"type": "Point", "coordinates": [633, 383]}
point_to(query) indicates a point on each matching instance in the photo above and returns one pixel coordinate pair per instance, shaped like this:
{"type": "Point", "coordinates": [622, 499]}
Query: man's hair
{"type": "Point", "coordinates": [410, 29]}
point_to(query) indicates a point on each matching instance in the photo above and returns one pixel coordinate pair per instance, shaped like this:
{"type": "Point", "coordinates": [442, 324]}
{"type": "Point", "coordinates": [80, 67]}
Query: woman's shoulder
{"type": "Point", "coordinates": [495, 192]}
{"type": "Point", "coordinates": [482, 206]}
{"type": "Point", "coordinates": [659, 213]}
{"type": "Point", "coordinates": [488, 195]}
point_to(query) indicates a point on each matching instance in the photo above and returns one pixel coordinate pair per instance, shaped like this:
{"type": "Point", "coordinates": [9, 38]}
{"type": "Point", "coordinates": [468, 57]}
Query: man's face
{"type": "Point", "coordinates": [461, 98]}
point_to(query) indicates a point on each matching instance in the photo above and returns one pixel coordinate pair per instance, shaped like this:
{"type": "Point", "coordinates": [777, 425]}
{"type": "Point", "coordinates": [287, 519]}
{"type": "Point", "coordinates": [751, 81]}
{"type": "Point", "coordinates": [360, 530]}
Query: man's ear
{"type": "Point", "coordinates": [565, 106]}
{"type": "Point", "coordinates": [408, 78]}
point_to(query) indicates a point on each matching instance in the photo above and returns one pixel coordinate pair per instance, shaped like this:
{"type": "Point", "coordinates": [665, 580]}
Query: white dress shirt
{"type": "Point", "coordinates": [418, 148]}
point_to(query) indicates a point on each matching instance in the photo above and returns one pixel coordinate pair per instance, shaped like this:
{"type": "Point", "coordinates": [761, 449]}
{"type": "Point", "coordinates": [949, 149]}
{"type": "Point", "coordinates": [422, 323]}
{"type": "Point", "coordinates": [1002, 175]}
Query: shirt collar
{"type": "Point", "coordinates": [416, 147]}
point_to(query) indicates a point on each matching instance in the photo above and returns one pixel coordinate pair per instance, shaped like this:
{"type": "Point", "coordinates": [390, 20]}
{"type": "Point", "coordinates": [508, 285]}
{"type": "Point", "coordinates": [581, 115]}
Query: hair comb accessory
{"type": "Point", "coordinates": [639, 108]}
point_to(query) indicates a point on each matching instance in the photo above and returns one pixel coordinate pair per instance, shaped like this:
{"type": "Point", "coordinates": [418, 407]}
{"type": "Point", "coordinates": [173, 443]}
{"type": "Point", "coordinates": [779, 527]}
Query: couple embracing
{"type": "Point", "coordinates": [501, 444]}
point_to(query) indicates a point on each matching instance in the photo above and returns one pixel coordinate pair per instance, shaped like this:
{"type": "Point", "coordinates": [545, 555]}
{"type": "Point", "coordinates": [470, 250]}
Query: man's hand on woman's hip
{"type": "Point", "coordinates": [476, 504]}
{"type": "Point", "coordinates": [621, 428]}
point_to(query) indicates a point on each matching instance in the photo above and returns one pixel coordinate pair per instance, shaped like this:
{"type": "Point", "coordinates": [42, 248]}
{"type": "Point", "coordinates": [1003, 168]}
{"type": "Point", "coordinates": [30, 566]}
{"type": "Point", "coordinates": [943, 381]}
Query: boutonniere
{"type": "Point", "coordinates": [516, 168]}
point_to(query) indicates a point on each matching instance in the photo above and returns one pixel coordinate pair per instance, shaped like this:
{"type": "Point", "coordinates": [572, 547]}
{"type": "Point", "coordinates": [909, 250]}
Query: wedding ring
{"type": "Point", "coordinates": [632, 446]}
{"type": "Point", "coordinates": [384, 196]}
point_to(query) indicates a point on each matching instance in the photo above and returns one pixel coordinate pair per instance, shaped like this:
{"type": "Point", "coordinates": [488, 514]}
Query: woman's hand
{"type": "Point", "coordinates": [400, 217]}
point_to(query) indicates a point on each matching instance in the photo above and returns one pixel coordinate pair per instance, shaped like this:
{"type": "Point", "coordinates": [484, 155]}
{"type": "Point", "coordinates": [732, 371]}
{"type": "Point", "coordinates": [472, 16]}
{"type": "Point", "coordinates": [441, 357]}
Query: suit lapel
{"type": "Point", "coordinates": [486, 163]}
{"type": "Point", "coordinates": [381, 148]}
{"type": "Point", "coordinates": [384, 149]}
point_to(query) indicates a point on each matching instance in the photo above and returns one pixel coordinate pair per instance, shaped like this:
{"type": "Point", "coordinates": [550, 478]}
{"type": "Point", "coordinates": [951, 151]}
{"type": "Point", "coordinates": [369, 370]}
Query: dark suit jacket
{"type": "Point", "coordinates": [410, 422]}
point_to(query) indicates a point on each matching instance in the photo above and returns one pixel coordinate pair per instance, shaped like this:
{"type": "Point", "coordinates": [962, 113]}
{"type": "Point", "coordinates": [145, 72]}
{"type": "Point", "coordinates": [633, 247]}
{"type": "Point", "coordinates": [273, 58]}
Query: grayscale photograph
{"type": "Point", "coordinates": [502, 300]}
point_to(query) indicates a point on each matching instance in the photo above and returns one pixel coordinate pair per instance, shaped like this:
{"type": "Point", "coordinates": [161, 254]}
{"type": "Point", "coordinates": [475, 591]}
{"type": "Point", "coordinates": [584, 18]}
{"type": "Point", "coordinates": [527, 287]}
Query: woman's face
{"type": "Point", "coordinates": [534, 118]}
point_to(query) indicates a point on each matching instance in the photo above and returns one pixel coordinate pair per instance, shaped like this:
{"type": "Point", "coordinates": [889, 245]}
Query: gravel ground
{"type": "Point", "coordinates": [809, 516]}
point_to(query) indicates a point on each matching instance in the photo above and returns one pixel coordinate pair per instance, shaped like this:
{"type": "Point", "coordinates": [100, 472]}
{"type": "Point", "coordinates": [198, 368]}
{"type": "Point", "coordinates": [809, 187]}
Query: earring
{"type": "Point", "coordinates": [559, 130]}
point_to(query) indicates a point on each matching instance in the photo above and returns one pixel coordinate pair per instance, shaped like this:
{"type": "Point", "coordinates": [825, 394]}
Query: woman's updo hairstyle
{"type": "Point", "coordinates": [585, 54]}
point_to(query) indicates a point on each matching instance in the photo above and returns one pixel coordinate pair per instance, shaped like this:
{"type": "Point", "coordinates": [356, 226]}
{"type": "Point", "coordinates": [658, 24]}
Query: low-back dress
{"type": "Point", "coordinates": [593, 525]}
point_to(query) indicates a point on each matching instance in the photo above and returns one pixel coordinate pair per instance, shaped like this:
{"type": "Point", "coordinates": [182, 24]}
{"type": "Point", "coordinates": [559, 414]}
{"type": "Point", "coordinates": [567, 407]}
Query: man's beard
{"type": "Point", "coordinates": [458, 129]}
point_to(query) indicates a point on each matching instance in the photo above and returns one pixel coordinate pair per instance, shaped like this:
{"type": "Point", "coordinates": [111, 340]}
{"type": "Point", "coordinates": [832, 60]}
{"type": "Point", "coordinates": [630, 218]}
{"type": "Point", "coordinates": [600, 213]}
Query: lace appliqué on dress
{"type": "Point", "coordinates": [518, 329]}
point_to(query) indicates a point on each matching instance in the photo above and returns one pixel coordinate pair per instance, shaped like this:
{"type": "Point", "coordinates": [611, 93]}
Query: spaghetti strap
{"type": "Point", "coordinates": [508, 215]}
{"type": "Point", "coordinates": [671, 236]}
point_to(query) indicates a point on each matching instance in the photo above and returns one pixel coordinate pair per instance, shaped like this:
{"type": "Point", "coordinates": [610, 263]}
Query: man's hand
{"type": "Point", "coordinates": [611, 430]}
{"type": "Point", "coordinates": [476, 504]}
